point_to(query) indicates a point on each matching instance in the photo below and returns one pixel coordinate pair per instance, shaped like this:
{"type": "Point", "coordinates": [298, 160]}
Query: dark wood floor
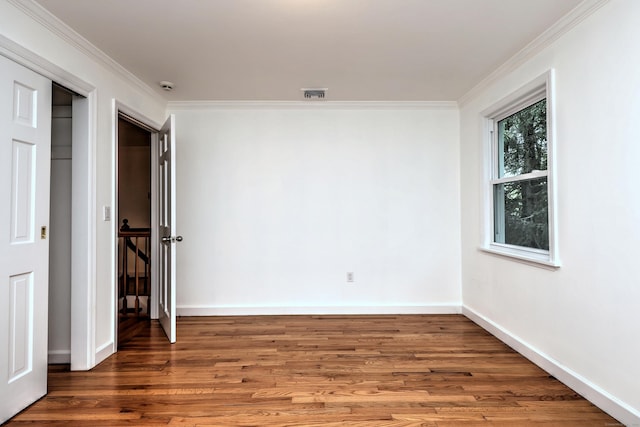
{"type": "Point", "coordinates": [313, 371]}
{"type": "Point", "coordinates": [130, 327]}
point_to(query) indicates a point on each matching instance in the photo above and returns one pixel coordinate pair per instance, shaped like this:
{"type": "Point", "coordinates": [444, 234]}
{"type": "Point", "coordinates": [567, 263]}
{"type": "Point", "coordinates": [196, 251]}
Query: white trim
{"type": "Point", "coordinates": [552, 188]}
{"type": "Point", "coordinates": [59, 357]}
{"type": "Point", "coordinates": [539, 88]}
{"type": "Point", "coordinates": [596, 395]}
{"type": "Point", "coordinates": [376, 105]}
{"type": "Point", "coordinates": [155, 242]}
{"type": "Point", "coordinates": [532, 257]}
{"type": "Point", "coordinates": [41, 15]}
{"type": "Point", "coordinates": [34, 62]}
{"type": "Point", "coordinates": [104, 351]}
{"type": "Point", "coordinates": [153, 127]}
{"type": "Point", "coordinates": [113, 227]}
{"type": "Point", "coordinates": [227, 310]}
{"type": "Point", "coordinates": [526, 95]}
{"type": "Point", "coordinates": [553, 33]}
{"type": "Point", "coordinates": [49, 21]}
{"type": "Point", "coordinates": [521, 99]}
{"type": "Point", "coordinates": [84, 276]}
{"type": "Point", "coordinates": [521, 177]}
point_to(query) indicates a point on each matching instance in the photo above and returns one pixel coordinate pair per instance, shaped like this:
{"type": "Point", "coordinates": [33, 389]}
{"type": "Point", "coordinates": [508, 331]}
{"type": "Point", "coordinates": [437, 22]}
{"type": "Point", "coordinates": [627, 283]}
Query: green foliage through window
{"type": "Point", "coordinates": [521, 206]}
{"type": "Point", "coordinates": [525, 221]}
{"type": "Point", "coordinates": [522, 139]}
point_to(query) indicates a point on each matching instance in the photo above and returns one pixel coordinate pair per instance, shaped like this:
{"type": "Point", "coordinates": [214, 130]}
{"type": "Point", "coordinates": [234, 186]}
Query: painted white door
{"type": "Point", "coordinates": [167, 229]}
{"type": "Point", "coordinates": [25, 161]}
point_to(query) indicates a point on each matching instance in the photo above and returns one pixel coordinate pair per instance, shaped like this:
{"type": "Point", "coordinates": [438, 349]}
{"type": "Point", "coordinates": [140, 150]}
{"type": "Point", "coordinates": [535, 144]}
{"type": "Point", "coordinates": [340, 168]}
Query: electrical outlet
{"type": "Point", "coordinates": [350, 278]}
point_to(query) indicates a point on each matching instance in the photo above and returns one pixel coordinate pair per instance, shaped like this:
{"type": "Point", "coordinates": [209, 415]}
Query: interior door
{"type": "Point", "coordinates": [25, 162]}
{"type": "Point", "coordinates": [166, 229]}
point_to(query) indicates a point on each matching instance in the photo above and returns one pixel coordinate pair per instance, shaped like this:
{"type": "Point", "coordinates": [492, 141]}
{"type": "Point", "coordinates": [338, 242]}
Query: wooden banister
{"type": "Point", "coordinates": [137, 242]}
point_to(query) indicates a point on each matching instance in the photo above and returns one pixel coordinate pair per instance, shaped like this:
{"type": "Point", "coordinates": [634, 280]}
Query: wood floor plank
{"type": "Point", "coordinates": [329, 371]}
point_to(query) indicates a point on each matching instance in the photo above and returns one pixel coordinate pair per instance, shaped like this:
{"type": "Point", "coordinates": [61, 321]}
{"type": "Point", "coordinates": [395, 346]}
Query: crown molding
{"type": "Point", "coordinates": [338, 105]}
{"type": "Point", "coordinates": [49, 21]}
{"type": "Point", "coordinates": [26, 58]}
{"type": "Point", "coordinates": [553, 33]}
{"type": "Point", "coordinates": [42, 16]}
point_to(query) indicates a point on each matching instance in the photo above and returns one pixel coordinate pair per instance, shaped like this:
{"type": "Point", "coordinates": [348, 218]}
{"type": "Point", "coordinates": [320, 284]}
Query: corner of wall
{"type": "Point", "coordinates": [599, 397]}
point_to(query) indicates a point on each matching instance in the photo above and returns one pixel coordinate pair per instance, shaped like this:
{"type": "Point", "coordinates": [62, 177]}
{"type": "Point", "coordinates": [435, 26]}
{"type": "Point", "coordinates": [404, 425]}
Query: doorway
{"type": "Point", "coordinates": [161, 256]}
{"type": "Point", "coordinates": [60, 259]}
{"type": "Point", "coordinates": [72, 230]}
{"type": "Point", "coordinates": [134, 227]}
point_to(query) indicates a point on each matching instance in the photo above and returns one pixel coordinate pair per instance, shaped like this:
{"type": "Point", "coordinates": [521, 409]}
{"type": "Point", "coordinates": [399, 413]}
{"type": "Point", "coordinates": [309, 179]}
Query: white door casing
{"type": "Point", "coordinates": [25, 160]}
{"type": "Point", "coordinates": [166, 229]}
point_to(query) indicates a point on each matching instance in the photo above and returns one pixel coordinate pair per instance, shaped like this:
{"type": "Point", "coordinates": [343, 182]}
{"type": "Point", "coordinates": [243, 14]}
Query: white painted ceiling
{"type": "Point", "coordinates": [361, 50]}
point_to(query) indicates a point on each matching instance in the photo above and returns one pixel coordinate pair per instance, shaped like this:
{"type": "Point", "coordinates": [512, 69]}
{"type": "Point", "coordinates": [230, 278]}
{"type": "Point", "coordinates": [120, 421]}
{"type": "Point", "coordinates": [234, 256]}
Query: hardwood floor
{"type": "Point", "coordinates": [129, 327]}
{"type": "Point", "coordinates": [387, 371]}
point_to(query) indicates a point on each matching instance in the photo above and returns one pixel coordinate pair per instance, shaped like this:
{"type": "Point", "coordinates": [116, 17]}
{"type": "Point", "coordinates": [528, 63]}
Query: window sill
{"type": "Point", "coordinates": [535, 259]}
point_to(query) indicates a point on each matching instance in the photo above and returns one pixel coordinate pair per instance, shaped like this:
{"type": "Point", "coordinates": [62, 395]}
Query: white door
{"type": "Point", "coordinates": [25, 161]}
{"type": "Point", "coordinates": [167, 229]}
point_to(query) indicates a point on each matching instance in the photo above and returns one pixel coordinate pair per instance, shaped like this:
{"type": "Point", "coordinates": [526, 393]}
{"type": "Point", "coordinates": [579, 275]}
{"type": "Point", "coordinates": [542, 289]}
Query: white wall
{"type": "Point", "coordinates": [583, 319]}
{"type": "Point", "coordinates": [277, 204]}
{"type": "Point", "coordinates": [26, 31]}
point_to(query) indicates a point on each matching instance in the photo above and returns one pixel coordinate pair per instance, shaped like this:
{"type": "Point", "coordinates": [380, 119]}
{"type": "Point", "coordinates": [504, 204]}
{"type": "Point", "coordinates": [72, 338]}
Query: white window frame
{"type": "Point", "coordinates": [538, 89]}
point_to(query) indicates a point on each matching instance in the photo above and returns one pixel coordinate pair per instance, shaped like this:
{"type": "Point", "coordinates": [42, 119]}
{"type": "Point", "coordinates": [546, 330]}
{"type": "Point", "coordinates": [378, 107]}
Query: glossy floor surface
{"type": "Point", "coordinates": [414, 370]}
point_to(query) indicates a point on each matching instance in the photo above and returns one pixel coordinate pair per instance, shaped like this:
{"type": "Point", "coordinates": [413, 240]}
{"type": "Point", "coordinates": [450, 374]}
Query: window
{"type": "Point", "coordinates": [520, 206]}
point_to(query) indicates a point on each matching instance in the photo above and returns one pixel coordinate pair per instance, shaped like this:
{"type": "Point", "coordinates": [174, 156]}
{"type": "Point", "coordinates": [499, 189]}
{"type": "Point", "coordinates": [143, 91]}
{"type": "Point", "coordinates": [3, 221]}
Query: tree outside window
{"type": "Point", "coordinates": [520, 184]}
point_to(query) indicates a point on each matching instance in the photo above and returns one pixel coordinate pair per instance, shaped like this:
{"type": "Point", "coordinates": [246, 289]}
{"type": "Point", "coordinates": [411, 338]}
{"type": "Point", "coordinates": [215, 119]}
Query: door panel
{"type": "Point", "coordinates": [25, 159]}
{"type": "Point", "coordinates": [166, 228]}
{"type": "Point", "coordinates": [20, 325]}
{"type": "Point", "coordinates": [22, 170]}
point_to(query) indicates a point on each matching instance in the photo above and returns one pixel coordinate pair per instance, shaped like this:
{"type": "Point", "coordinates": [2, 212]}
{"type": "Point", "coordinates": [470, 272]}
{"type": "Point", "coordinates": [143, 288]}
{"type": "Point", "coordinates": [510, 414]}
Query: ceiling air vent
{"type": "Point", "coordinates": [314, 94]}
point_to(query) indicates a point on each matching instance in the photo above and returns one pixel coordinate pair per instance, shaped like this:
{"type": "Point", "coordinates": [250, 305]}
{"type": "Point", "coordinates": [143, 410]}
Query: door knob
{"type": "Point", "coordinates": [170, 239]}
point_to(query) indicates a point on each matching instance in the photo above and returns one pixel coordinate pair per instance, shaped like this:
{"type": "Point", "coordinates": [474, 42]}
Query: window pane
{"type": "Point", "coordinates": [522, 141]}
{"type": "Point", "coordinates": [522, 214]}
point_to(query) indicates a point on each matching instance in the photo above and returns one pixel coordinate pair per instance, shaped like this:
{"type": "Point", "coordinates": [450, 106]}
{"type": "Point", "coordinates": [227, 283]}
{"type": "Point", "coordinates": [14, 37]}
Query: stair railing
{"type": "Point", "coordinates": [134, 244]}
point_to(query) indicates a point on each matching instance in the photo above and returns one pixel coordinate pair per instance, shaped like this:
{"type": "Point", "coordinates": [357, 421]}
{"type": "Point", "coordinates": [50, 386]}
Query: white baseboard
{"type": "Point", "coordinates": [596, 395]}
{"type": "Point", "coordinates": [59, 357]}
{"type": "Point", "coordinates": [104, 351]}
{"type": "Point", "coordinates": [319, 310]}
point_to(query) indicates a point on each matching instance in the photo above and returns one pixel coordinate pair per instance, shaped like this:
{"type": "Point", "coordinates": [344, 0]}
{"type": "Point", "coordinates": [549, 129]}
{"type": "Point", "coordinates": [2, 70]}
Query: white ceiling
{"type": "Point", "coordinates": [361, 50]}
